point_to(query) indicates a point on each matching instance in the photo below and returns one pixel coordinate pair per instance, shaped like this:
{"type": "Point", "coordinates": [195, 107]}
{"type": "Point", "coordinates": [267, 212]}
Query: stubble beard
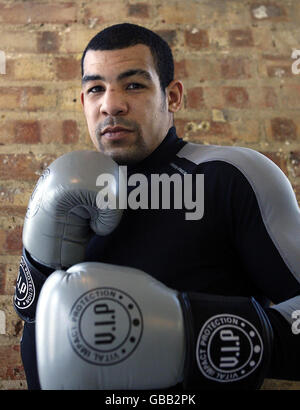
{"type": "Point", "coordinates": [122, 151]}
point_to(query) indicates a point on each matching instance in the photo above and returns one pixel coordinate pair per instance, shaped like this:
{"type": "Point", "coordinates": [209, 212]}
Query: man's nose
{"type": "Point", "coordinates": [113, 103]}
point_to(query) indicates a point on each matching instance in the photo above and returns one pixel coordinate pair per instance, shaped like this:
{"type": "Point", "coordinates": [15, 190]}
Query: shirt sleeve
{"type": "Point", "coordinates": [266, 232]}
{"type": "Point", "coordinates": [263, 220]}
{"type": "Point", "coordinates": [268, 260]}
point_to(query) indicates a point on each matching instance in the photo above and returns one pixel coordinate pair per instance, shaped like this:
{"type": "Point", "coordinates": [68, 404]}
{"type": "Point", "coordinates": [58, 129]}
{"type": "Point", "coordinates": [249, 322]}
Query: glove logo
{"type": "Point", "coordinates": [25, 291]}
{"type": "Point", "coordinates": [229, 348]}
{"type": "Point", "coordinates": [105, 326]}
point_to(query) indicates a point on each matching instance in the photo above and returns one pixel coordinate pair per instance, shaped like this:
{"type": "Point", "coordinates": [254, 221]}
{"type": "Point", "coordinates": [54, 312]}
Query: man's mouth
{"type": "Point", "coordinates": [115, 132]}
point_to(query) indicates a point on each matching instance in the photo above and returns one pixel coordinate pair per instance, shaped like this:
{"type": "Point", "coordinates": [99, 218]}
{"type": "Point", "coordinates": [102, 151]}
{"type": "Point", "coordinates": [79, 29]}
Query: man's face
{"type": "Point", "coordinates": [126, 111]}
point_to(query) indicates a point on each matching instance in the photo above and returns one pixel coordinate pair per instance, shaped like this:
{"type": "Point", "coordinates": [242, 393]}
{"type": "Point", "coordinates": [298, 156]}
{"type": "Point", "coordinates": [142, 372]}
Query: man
{"type": "Point", "coordinates": [242, 247]}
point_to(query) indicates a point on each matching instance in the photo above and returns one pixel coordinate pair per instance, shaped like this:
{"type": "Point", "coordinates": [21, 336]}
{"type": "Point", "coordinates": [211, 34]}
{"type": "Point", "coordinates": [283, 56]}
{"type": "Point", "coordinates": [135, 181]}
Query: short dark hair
{"type": "Point", "coordinates": [126, 35]}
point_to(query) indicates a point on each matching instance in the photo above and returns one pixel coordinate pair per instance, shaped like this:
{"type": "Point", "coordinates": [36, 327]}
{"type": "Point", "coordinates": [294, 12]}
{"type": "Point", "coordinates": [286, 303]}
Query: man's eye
{"type": "Point", "coordinates": [135, 86]}
{"type": "Point", "coordinates": [95, 89]}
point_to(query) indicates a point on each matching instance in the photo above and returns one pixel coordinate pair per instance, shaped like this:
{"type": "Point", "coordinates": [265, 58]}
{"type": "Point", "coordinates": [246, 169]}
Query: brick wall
{"type": "Point", "coordinates": [233, 56]}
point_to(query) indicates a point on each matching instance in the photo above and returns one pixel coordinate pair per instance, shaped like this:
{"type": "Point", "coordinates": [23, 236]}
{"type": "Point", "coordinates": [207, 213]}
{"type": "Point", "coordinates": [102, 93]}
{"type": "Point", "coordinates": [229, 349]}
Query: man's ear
{"type": "Point", "coordinates": [82, 98]}
{"type": "Point", "coordinates": [174, 92]}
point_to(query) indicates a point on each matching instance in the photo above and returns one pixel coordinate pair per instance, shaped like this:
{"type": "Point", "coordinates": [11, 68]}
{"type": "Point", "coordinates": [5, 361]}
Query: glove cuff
{"type": "Point", "coordinates": [28, 286]}
{"type": "Point", "coordinates": [229, 342]}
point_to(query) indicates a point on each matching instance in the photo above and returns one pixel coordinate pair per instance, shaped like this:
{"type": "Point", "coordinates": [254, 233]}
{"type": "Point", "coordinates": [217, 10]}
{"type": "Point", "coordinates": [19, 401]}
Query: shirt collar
{"type": "Point", "coordinates": [169, 146]}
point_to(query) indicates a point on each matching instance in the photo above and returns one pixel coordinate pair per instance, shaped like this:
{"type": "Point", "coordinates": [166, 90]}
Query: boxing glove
{"type": "Point", "coordinates": [103, 326]}
{"type": "Point", "coordinates": [65, 209]}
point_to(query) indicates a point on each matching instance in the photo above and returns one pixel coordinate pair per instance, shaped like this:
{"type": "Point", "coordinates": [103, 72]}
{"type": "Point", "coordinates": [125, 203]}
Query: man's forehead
{"type": "Point", "coordinates": [104, 59]}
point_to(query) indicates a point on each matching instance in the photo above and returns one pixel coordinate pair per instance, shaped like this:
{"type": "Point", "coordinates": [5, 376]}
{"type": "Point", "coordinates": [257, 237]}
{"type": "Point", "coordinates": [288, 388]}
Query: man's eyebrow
{"type": "Point", "coordinates": [133, 72]}
{"type": "Point", "coordinates": [129, 73]}
{"type": "Point", "coordinates": [93, 77]}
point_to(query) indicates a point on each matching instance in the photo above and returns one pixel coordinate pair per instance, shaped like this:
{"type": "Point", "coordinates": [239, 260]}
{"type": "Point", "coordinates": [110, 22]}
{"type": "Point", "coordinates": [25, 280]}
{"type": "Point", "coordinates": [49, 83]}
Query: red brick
{"type": "Point", "coordinates": [276, 57]}
{"type": "Point", "coordinates": [67, 68]}
{"type": "Point", "coordinates": [35, 12]}
{"type": "Point", "coordinates": [26, 98]}
{"type": "Point", "coordinates": [236, 97]}
{"type": "Point", "coordinates": [138, 10]}
{"type": "Point", "coordinates": [27, 94]}
{"type": "Point", "coordinates": [196, 40]}
{"type": "Point", "coordinates": [235, 67]}
{"type": "Point", "coordinates": [270, 99]}
{"type": "Point", "coordinates": [70, 132]}
{"type": "Point", "coordinates": [240, 38]}
{"type": "Point", "coordinates": [283, 129]}
{"type": "Point", "coordinates": [13, 244]}
{"type": "Point", "coordinates": [47, 42]}
{"type": "Point", "coordinates": [195, 98]}
{"type": "Point", "coordinates": [20, 132]}
{"type": "Point", "coordinates": [43, 131]}
{"type": "Point", "coordinates": [27, 132]}
{"type": "Point", "coordinates": [180, 69]}
{"type": "Point", "coordinates": [51, 131]}
{"type": "Point", "coordinates": [58, 131]}
{"type": "Point", "coordinates": [290, 96]}
{"type": "Point", "coordinates": [219, 129]}
{"type": "Point", "coordinates": [213, 97]}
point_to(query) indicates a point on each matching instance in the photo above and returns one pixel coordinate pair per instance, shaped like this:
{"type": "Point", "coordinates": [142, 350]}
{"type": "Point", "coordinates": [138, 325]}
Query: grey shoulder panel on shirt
{"type": "Point", "coordinates": [290, 310]}
{"type": "Point", "coordinates": [276, 199]}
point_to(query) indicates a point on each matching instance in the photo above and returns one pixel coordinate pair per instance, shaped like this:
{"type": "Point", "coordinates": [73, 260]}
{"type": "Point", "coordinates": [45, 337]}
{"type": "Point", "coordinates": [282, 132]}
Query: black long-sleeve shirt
{"type": "Point", "coordinates": [245, 242]}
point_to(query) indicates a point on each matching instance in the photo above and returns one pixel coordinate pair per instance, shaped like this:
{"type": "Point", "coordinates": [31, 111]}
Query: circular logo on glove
{"type": "Point", "coordinates": [229, 348]}
{"type": "Point", "coordinates": [105, 326]}
{"type": "Point", "coordinates": [25, 291]}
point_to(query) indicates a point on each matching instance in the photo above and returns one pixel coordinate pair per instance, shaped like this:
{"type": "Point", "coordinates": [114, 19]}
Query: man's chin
{"type": "Point", "coordinates": [125, 152]}
{"type": "Point", "coordinates": [125, 157]}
